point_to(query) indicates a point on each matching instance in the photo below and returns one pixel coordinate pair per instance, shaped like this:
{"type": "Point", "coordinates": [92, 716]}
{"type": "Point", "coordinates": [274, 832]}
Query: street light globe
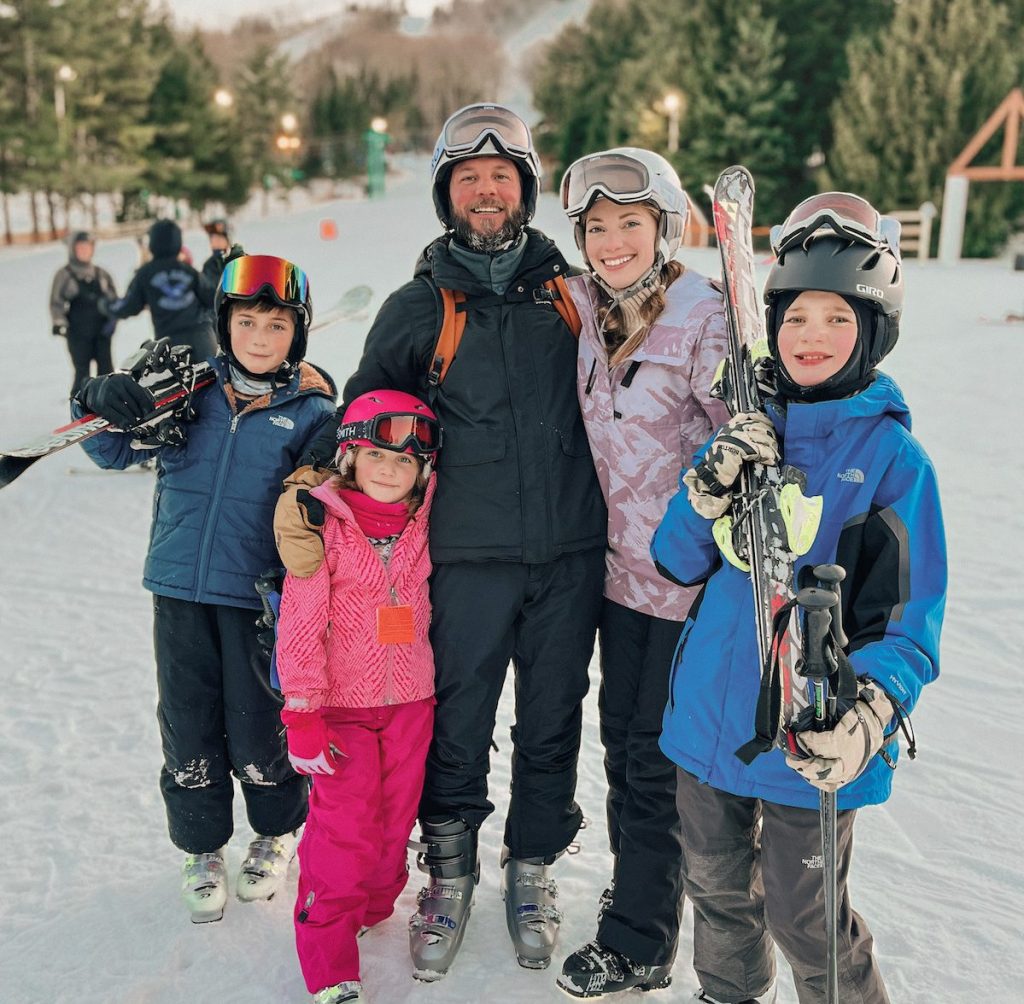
{"type": "Point", "coordinates": [379, 124]}
{"type": "Point", "coordinates": [65, 73]}
{"type": "Point", "coordinates": [223, 98]}
{"type": "Point", "coordinates": [289, 122]}
{"type": "Point", "coordinates": [672, 102]}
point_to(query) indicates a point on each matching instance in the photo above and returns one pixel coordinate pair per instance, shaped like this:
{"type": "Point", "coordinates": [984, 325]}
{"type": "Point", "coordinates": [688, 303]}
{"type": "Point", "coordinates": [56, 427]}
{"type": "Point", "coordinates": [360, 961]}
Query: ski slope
{"type": "Point", "coordinates": [89, 910]}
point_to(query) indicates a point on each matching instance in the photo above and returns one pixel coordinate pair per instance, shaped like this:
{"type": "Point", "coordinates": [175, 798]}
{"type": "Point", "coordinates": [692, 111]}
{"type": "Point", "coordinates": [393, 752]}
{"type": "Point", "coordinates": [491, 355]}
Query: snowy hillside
{"type": "Point", "coordinates": [89, 910]}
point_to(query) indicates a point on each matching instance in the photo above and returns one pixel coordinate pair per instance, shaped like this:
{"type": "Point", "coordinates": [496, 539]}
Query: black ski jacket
{"type": "Point", "coordinates": [515, 478]}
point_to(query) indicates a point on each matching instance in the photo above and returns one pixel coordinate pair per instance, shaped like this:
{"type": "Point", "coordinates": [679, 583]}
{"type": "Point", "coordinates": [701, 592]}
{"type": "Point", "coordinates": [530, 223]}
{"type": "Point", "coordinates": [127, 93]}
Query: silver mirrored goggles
{"type": "Point", "coordinates": [468, 129]}
{"type": "Point", "coordinates": [614, 176]}
{"type": "Point", "coordinates": [843, 213]}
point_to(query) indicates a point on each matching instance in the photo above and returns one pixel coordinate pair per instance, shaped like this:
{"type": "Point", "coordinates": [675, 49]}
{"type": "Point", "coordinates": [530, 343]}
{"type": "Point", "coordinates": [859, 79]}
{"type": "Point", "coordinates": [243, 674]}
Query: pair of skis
{"type": "Point", "coordinates": [764, 529]}
{"type": "Point", "coordinates": [171, 377]}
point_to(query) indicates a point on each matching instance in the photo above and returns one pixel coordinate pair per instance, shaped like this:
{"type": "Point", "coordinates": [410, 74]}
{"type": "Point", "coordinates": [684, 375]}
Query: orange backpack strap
{"type": "Point", "coordinates": [453, 324]}
{"type": "Point", "coordinates": [564, 304]}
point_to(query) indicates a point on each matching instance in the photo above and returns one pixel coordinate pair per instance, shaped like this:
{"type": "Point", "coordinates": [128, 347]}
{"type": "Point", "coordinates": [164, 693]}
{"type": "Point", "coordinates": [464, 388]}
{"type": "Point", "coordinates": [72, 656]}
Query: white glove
{"type": "Point", "coordinates": [839, 755]}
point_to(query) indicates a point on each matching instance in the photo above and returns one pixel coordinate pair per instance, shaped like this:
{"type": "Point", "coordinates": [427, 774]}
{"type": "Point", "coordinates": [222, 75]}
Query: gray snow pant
{"type": "Point", "coordinates": [754, 887]}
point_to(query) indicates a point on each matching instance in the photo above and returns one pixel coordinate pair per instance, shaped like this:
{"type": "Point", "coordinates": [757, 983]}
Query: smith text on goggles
{"type": "Point", "coordinates": [398, 431]}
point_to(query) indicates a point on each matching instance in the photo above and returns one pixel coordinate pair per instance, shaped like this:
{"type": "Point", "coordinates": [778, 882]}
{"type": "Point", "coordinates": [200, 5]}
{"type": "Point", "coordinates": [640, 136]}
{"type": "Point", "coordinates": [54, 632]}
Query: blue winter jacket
{"type": "Point", "coordinates": [882, 523]}
{"type": "Point", "coordinates": [213, 508]}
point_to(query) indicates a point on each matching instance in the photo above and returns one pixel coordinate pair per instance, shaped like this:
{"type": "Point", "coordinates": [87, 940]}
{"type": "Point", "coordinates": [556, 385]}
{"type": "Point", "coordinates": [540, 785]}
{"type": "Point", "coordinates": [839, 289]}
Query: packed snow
{"type": "Point", "coordinates": [90, 900]}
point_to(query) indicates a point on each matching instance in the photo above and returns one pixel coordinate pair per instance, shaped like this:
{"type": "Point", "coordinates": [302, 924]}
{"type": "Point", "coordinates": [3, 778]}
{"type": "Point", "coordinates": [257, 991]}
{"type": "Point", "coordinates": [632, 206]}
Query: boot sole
{"type": "Point", "coordinates": [533, 963]}
{"type": "Point", "coordinates": [643, 988]}
{"type": "Point", "coordinates": [207, 916]}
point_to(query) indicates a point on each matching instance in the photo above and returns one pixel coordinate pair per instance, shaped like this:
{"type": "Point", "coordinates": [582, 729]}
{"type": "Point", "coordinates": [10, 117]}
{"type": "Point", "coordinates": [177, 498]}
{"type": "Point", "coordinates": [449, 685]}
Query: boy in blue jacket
{"type": "Point", "coordinates": [834, 299]}
{"type": "Point", "coordinates": [212, 537]}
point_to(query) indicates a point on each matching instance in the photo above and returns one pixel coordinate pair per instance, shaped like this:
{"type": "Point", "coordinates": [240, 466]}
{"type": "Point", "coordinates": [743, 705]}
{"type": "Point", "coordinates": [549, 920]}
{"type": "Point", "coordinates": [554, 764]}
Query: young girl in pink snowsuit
{"type": "Point", "coordinates": [357, 674]}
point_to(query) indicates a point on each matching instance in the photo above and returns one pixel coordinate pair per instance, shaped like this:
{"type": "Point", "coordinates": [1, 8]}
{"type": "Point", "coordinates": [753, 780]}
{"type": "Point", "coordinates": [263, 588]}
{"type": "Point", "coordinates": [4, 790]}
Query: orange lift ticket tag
{"type": "Point", "coordinates": [395, 625]}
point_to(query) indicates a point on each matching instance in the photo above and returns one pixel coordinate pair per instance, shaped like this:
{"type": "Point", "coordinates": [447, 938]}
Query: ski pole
{"type": "Point", "coordinates": [817, 604]}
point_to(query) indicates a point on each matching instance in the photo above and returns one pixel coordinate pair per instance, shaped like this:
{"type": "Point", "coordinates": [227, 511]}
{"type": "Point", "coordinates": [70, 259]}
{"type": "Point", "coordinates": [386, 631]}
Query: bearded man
{"type": "Point", "coordinates": [517, 532]}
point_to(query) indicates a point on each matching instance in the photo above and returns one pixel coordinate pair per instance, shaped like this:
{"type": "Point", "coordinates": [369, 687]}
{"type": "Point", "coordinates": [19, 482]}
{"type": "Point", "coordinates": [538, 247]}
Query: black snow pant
{"type": "Point", "coordinates": [753, 872]}
{"type": "Point", "coordinates": [543, 619]}
{"type": "Point", "coordinates": [642, 920]}
{"type": "Point", "coordinates": [219, 715]}
{"type": "Point", "coordinates": [85, 346]}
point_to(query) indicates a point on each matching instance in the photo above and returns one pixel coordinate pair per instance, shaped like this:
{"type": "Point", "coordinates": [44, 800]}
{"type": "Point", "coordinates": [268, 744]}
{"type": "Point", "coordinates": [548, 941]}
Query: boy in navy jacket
{"type": "Point", "coordinates": [211, 538]}
{"type": "Point", "coordinates": [834, 298]}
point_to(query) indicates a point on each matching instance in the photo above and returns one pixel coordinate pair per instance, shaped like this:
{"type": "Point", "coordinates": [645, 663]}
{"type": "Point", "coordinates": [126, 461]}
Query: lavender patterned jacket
{"type": "Point", "coordinates": [644, 420]}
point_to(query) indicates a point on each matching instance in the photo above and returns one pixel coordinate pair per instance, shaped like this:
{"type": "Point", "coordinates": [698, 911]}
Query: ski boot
{"type": "Point", "coordinates": [447, 854]}
{"type": "Point", "coordinates": [349, 992]}
{"type": "Point", "coordinates": [530, 912]}
{"type": "Point", "coordinates": [204, 886]}
{"type": "Point", "coordinates": [596, 970]}
{"type": "Point", "coordinates": [264, 867]}
{"type": "Point", "coordinates": [703, 997]}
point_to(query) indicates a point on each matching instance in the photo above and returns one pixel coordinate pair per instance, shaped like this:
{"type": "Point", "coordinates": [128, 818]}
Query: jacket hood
{"type": "Point", "coordinates": [164, 239]}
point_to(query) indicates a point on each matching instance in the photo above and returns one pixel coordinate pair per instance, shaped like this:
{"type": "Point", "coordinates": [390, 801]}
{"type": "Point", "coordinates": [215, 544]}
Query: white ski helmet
{"type": "Point", "coordinates": [625, 175]}
{"type": "Point", "coordinates": [484, 130]}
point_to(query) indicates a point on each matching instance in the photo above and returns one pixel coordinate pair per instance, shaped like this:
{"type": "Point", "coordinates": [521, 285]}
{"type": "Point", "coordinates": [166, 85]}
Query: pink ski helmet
{"type": "Point", "coordinates": [390, 420]}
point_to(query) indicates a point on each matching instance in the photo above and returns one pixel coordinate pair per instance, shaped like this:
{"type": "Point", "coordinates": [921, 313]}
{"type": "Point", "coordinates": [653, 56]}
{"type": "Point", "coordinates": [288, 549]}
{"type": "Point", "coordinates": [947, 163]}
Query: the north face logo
{"type": "Point", "coordinates": [852, 475]}
{"type": "Point", "coordinates": [284, 422]}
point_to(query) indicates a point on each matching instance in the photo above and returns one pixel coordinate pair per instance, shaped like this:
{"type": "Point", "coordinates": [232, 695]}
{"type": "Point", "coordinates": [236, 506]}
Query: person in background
{"type": "Point", "coordinates": [178, 297]}
{"type": "Point", "coordinates": [75, 296]}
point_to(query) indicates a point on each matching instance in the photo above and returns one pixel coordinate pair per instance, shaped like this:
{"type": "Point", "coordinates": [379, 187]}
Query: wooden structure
{"type": "Point", "coordinates": [954, 201]}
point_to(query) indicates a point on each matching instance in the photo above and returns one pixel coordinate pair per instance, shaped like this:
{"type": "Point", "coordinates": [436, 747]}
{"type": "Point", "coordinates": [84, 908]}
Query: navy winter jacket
{"type": "Point", "coordinates": [213, 509]}
{"type": "Point", "coordinates": [882, 523]}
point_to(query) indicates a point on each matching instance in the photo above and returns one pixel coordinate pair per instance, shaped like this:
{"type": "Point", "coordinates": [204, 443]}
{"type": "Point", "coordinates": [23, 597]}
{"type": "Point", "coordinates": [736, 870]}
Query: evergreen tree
{"type": "Point", "coordinates": [915, 98]}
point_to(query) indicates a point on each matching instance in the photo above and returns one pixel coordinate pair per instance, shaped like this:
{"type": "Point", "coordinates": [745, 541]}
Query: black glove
{"type": "Point", "coordinates": [117, 398]}
{"type": "Point", "coordinates": [60, 330]}
{"type": "Point", "coordinates": [103, 306]}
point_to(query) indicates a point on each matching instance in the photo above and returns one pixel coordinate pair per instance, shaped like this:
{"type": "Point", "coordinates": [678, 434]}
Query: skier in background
{"type": "Point", "coordinates": [178, 297]}
{"type": "Point", "coordinates": [834, 295]}
{"type": "Point", "coordinates": [212, 537]}
{"type": "Point", "coordinates": [75, 297]}
{"type": "Point", "coordinates": [653, 335]}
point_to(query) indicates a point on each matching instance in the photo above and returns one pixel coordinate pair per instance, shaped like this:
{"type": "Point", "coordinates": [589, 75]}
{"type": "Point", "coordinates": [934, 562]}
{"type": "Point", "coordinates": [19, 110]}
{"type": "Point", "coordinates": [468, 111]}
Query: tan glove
{"type": "Point", "coordinates": [747, 438]}
{"type": "Point", "coordinates": [299, 521]}
{"type": "Point", "coordinates": [841, 754]}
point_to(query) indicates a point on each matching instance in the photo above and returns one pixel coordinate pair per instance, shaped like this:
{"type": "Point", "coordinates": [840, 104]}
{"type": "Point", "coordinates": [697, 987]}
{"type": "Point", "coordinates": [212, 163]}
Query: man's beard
{"type": "Point", "coordinates": [494, 240]}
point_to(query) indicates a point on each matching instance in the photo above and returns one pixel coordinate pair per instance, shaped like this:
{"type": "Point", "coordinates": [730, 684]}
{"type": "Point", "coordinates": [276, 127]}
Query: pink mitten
{"type": "Point", "coordinates": [309, 745]}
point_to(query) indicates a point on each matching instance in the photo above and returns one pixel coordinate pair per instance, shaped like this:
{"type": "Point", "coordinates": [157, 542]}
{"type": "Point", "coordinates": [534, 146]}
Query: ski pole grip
{"type": "Point", "coordinates": [830, 577]}
{"type": "Point", "coordinates": [264, 587]}
{"type": "Point", "coordinates": [817, 606]}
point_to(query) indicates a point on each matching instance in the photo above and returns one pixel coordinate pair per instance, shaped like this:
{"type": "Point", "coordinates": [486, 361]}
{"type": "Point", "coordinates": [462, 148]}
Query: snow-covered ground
{"type": "Point", "coordinates": [89, 907]}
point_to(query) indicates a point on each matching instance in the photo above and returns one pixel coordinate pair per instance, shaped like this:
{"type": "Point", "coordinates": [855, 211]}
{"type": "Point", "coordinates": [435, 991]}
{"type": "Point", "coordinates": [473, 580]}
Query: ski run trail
{"type": "Point", "coordinates": [90, 909]}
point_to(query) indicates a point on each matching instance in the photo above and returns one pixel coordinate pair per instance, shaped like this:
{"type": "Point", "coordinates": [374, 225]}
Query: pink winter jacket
{"type": "Point", "coordinates": [644, 423]}
{"type": "Point", "coordinates": [327, 648]}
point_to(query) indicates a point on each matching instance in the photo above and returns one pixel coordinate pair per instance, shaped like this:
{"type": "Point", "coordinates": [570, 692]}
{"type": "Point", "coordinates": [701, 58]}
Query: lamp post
{"type": "Point", "coordinates": [673, 105]}
{"type": "Point", "coordinates": [376, 139]}
{"type": "Point", "coordinates": [64, 75]}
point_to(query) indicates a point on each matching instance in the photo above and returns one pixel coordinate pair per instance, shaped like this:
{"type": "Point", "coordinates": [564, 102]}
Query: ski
{"type": "Point", "coordinates": [759, 528]}
{"type": "Point", "coordinates": [170, 377]}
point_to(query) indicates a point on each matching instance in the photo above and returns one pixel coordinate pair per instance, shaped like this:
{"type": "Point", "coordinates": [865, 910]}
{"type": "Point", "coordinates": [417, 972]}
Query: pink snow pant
{"type": "Point", "coordinates": [352, 856]}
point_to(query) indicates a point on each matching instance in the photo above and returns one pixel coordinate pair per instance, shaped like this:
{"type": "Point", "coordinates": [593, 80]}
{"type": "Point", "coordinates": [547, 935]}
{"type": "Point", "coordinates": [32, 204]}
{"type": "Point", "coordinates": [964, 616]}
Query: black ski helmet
{"type": "Point", "coordinates": [868, 276]}
{"type": "Point", "coordinates": [484, 130]}
{"type": "Point", "coordinates": [248, 278]}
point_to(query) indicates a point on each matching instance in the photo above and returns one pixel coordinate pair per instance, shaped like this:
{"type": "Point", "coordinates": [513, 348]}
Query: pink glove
{"type": "Point", "coordinates": [309, 745]}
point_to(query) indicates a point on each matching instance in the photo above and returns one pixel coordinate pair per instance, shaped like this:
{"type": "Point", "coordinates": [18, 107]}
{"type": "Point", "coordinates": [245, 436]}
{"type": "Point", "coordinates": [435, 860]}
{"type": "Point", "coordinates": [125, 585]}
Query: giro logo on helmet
{"type": "Point", "coordinates": [870, 290]}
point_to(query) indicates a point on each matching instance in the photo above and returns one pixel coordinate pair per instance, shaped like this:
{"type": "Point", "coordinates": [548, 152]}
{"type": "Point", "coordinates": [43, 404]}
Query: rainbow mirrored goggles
{"type": "Point", "coordinates": [845, 214]}
{"type": "Point", "coordinates": [247, 277]}
{"type": "Point", "coordinates": [397, 431]}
